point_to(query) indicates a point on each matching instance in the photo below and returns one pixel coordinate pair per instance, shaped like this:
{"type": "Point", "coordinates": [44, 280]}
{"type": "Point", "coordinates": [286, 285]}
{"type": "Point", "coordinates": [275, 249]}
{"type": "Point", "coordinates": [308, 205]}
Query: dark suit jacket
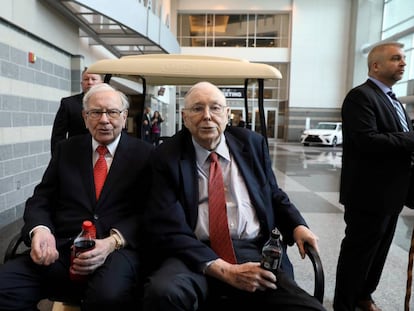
{"type": "Point", "coordinates": [68, 120]}
{"type": "Point", "coordinates": [173, 211]}
{"type": "Point", "coordinates": [376, 152]}
{"type": "Point", "coordinates": [66, 195]}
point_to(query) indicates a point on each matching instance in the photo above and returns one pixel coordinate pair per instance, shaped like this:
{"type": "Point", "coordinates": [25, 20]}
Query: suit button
{"type": "Point", "coordinates": [96, 217]}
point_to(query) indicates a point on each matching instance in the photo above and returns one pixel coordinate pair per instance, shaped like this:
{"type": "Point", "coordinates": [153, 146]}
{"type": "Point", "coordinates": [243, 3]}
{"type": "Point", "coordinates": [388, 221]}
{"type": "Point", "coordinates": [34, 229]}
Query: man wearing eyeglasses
{"type": "Point", "coordinates": [66, 196]}
{"type": "Point", "coordinates": [179, 223]}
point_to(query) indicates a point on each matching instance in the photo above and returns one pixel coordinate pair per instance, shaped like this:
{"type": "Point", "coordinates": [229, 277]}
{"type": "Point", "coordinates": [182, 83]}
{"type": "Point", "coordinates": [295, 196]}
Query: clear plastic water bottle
{"type": "Point", "coordinates": [272, 252]}
{"type": "Point", "coordinates": [82, 243]}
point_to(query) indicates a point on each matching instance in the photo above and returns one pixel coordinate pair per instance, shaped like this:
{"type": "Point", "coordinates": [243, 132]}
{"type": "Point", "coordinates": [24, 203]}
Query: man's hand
{"type": "Point", "coordinates": [248, 276]}
{"type": "Point", "coordinates": [87, 262]}
{"type": "Point", "coordinates": [43, 247]}
{"type": "Point", "coordinates": [302, 234]}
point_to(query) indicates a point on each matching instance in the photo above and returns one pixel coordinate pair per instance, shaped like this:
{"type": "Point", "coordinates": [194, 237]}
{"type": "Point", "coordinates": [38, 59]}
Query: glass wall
{"type": "Point", "coordinates": [235, 30]}
{"type": "Point", "coordinates": [398, 24]}
{"type": "Point", "coordinates": [398, 16]}
{"type": "Point", "coordinates": [244, 31]}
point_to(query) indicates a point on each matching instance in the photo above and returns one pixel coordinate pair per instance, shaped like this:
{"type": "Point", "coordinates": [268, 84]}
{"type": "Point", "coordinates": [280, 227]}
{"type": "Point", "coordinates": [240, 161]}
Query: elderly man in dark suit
{"type": "Point", "coordinates": [376, 167]}
{"type": "Point", "coordinates": [68, 120]}
{"type": "Point", "coordinates": [66, 197]}
{"type": "Point", "coordinates": [178, 216]}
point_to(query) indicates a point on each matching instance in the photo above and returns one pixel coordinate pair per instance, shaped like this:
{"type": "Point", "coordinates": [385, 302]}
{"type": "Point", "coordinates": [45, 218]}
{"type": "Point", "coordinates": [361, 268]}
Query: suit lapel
{"type": "Point", "coordinates": [243, 156]}
{"type": "Point", "coordinates": [386, 103]}
{"type": "Point", "coordinates": [390, 107]}
{"type": "Point", "coordinates": [86, 168]}
{"type": "Point", "coordinates": [190, 177]}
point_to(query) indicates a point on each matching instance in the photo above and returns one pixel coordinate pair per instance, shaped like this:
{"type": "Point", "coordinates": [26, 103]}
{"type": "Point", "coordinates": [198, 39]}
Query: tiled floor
{"type": "Point", "coordinates": [310, 175]}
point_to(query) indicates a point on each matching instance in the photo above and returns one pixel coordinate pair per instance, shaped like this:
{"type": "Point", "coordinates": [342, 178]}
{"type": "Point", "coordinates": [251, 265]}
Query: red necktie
{"type": "Point", "coordinates": [100, 170]}
{"type": "Point", "coordinates": [220, 240]}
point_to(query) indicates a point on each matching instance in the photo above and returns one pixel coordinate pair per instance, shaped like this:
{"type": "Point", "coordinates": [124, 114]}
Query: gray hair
{"type": "Point", "coordinates": [379, 48]}
{"type": "Point", "coordinates": [104, 87]}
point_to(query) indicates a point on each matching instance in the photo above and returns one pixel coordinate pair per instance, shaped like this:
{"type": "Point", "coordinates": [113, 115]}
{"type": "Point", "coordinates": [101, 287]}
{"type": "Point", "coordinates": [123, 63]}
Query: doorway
{"type": "Point", "coordinates": [238, 118]}
{"type": "Point", "coordinates": [271, 122]}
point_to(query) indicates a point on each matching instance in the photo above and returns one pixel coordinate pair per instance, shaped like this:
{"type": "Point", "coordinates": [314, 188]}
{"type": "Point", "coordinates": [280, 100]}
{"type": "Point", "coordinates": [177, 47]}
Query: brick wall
{"type": "Point", "coordinates": [30, 95]}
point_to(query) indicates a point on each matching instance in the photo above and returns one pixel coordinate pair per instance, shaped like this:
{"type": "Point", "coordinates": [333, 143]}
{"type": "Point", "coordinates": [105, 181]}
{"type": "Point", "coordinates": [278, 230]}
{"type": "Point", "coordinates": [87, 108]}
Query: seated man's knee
{"type": "Point", "coordinates": [111, 300]}
{"type": "Point", "coordinates": [180, 292]}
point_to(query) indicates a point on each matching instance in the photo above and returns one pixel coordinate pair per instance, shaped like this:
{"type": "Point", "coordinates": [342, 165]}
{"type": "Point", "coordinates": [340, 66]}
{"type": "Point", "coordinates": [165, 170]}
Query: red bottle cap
{"type": "Point", "coordinates": [87, 224]}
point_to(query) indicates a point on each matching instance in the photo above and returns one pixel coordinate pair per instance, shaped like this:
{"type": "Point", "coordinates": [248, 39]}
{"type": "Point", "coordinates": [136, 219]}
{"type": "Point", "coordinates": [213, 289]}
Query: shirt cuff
{"type": "Point", "coordinates": [204, 266]}
{"type": "Point", "coordinates": [31, 232]}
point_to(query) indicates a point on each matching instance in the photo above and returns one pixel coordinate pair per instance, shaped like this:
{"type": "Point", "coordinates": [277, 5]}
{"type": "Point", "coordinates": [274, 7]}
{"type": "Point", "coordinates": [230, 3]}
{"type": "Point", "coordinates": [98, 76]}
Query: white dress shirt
{"type": "Point", "coordinates": [242, 218]}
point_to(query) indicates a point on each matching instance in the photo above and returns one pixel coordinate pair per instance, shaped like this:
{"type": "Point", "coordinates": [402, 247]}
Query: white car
{"type": "Point", "coordinates": [325, 133]}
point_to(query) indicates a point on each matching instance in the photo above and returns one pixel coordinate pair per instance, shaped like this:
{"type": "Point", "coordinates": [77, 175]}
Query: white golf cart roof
{"type": "Point", "coordinates": [180, 69]}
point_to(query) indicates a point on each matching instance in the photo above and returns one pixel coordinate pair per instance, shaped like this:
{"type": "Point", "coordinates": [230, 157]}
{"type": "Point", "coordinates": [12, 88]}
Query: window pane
{"type": "Point", "coordinates": [237, 30]}
{"type": "Point", "coordinates": [396, 18]}
{"type": "Point", "coordinates": [230, 30]}
{"type": "Point", "coordinates": [272, 30]}
{"type": "Point", "coordinates": [192, 29]}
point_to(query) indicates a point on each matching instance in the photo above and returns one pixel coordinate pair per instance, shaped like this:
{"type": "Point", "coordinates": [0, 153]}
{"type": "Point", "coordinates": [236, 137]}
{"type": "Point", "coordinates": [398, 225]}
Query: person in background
{"type": "Point", "coordinates": [68, 120]}
{"type": "Point", "coordinates": [146, 125]}
{"type": "Point", "coordinates": [156, 121]}
{"type": "Point", "coordinates": [376, 166]}
{"type": "Point", "coordinates": [65, 197]}
{"type": "Point", "coordinates": [177, 218]}
{"type": "Point", "coordinates": [241, 123]}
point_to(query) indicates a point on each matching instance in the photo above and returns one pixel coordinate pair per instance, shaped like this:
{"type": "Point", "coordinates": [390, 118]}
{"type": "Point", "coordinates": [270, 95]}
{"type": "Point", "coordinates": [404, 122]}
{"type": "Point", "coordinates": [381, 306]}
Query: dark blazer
{"type": "Point", "coordinates": [376, 152]}
{"type": "Point", "coordinates": [66, 195]}
{"type": "Point", "coordinates": [173, 210]}
{"type": "Point", "coordinates": [68, 120]}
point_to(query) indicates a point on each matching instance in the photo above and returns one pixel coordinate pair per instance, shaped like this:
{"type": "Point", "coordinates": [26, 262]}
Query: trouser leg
{"type": "Point", "coordinates": [115, 285]}
{"type": "Point", "coordinates": [174, 287]}
{"type": "Point", "coordinates": [362, 257]}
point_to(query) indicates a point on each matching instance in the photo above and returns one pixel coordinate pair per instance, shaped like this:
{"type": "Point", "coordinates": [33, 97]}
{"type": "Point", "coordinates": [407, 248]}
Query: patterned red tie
{"type": "Point", "coordinates": [220, 240]}
{"type": "Point", "coordinates": [100, 170]}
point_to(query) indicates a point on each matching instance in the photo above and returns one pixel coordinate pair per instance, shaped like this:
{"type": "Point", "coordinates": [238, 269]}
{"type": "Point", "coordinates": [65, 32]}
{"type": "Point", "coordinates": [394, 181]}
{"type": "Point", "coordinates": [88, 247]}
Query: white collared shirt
{"type": "Point", "coordinates": [111, 151]}
{"type": "Point", "coordinates": [242, 218]}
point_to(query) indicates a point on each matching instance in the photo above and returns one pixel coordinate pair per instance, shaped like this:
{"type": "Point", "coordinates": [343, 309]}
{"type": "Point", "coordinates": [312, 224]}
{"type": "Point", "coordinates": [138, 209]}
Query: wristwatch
{"type": "Point", "coordinates": [118, 241]}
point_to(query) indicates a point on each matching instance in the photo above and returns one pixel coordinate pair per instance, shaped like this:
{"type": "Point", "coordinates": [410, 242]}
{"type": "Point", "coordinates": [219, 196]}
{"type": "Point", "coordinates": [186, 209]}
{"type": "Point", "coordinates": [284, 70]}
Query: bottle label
{"type": "Point", "coordinates": [79, 246]}
{"type": "Point", "coordinates": [271, 259]}
{"type": "Point", "coordinates": [271, 264]}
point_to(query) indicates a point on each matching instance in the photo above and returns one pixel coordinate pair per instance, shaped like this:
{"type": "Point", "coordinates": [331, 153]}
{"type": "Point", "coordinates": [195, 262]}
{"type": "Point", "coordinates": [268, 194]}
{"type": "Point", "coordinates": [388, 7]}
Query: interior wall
{"type": "Point", "coordinates": [319, 53]}
{"type": "Point", "coordinates": [30, 92]}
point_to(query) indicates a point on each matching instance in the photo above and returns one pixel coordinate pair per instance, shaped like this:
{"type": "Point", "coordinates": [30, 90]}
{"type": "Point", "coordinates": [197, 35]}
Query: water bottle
{"type": "Point", "coordinates": [82, 243]}
{"type": "Point", "coordinates": [272, 252]}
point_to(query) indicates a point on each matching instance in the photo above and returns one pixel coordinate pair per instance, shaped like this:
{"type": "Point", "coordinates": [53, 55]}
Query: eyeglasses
{"type": "Point", "coordinates": [199, 109]}
{"type": "Point", "coordinates": [97, 114]}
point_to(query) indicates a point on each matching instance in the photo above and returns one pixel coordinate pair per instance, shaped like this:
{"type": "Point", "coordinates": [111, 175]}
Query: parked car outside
{"type": "Point", "coordinates": [325, 133]}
